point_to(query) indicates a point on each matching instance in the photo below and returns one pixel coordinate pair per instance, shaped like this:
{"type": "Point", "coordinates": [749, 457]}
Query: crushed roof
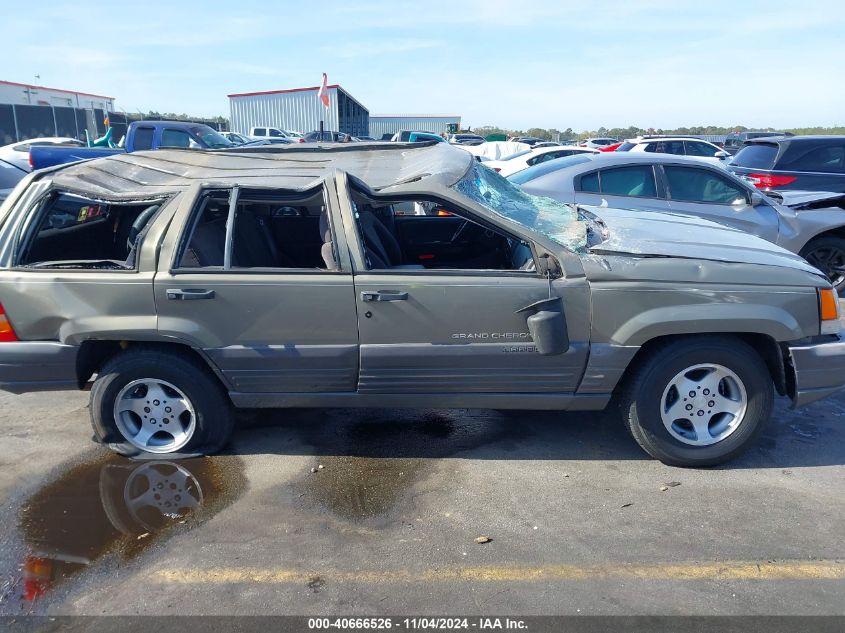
{"type": "Point", "coordinates": [299, 167]}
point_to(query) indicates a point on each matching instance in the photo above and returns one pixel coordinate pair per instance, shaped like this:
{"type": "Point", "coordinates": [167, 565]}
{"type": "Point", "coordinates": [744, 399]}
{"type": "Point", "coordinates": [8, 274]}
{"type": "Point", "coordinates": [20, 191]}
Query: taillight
{"type": "Point", "coordinates": [29, 159]}
{"type": "Point", "coordinates": [769, 181]}
{"type": "Point", "coordinates": [301, 140]}
{"type": "Point", "coordinates": [497, 169]}
{"type": "Point", "coordinates": [7, 332]}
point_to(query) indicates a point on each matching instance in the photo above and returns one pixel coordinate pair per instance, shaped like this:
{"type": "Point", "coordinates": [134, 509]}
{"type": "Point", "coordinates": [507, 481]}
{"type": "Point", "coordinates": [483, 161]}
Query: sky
{"type": "Point", "coordinates": [511, 63]}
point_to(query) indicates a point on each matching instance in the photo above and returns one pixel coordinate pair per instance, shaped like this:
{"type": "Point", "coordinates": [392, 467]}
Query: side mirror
{"type": "Point", "coordinates": [547, 326]}
{"type": "Point", "coordinates": [548, 266]}
{"type": "Point", "coordinates": [194, 145]}
{"type": "Point", "coordinates": [722, 155]}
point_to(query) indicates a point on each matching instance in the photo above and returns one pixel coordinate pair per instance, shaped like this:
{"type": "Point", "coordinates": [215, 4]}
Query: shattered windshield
{"type": "Point", "coordinates": [553, 219]}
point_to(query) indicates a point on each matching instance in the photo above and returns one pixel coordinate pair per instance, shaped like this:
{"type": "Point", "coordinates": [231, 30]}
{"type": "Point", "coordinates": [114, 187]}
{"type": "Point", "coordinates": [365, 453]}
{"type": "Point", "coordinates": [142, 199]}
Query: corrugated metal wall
{"type": "Point", "coordinates": [380, 125]}
{"type": "Point", "coordinates": [299, 110]}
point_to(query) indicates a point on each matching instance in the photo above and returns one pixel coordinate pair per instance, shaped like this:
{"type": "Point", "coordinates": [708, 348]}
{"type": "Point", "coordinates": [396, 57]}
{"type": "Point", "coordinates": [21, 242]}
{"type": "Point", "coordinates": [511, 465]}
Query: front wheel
{"type": "Point", "coordinates": [159, 402]}
{"type": "Point", "coordinates": [827, 253]}
{"type": "Point", "coordinates": [698, 402]}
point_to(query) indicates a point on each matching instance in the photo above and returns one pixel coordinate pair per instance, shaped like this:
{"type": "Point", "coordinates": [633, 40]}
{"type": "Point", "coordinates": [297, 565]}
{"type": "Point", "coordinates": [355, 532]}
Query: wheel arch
{"type": "Point", "coordinates": [767, 347]}
{"type": "Point", "coordinates": [93, 354]}
{"type": "Point", "coordinates": [838, 231]}
{"type": "Point", "coordinates": [714, 318]}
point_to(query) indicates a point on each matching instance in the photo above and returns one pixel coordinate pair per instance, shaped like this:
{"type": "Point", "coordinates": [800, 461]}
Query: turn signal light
{"type": "Point", "coordinates": [7, 332]}
{"type": "Point", "coordinates": [829, 310]}
{"type": "Point", "coordinates": [770, 181]}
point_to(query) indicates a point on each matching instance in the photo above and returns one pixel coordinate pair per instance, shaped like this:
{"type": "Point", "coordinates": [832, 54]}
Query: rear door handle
{"type": "Point", "coordinates": [383, 295]}
{"type": "Point", "coordinates": [189, 294]}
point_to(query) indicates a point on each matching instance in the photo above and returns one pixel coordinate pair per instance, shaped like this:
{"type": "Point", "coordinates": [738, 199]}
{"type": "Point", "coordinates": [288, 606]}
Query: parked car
{"type": "Point", "coordinates": [678, 146]}
{"type": "Point", "coordinates": [528, 140]}
{"type": "Point", "coordinates": [466, 139]}
{"type": "Point", "coordinates": [526, 158]}
{"type": "Point", "coordinates": [168, 286]}
{"type": "Point", "coordinates": [597, 143]}
{"type": "Point", "coordinates": [611, 148]}
{"type": "Point", "coordinates": [10, 176]}
{"type": "Point", "coordinates": [326, 136]}
{"type": "Point", "coordinates": [18, 153]}
{"type": "Point", "coordinates": [262, 133]}
{"type": "Point", "coordinates": [418, 137]}
{"type": "Point", "coordinates": [546, 144]}
{"type": "Point", "coordinates": [237, 139]}
{"type": "Point", "coordinates": [141, 135]}
{"type": "Point", "coordinates": [734, 140]}
{"type": "Point", "coordinates": [366, 138]}
{"type": "Point", "coordinates": [811, 225]}
{"type": "Point", "coordinates": [809, 163]}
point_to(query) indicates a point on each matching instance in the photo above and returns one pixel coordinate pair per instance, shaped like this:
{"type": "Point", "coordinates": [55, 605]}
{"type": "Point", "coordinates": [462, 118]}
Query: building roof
{"type": "Point", "coordinates": [302, 166]}
{"type": "Point", "coordinates": [260, 93]}
{"type": "Point", "coordinates": [76, 92]}
{"type": "Point", "coordinates": [276, 92]}
{"type": "Point", "coordinates": [415, 116]}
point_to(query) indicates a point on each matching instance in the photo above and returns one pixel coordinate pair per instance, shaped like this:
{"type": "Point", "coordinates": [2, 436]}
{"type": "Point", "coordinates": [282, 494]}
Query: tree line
{"type": "Point", "coordinates": [553, 134]}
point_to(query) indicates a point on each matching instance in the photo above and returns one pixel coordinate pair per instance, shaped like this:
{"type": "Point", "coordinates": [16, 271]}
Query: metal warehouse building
{"type": "Point", "coordinates": [381, 124]}
{"type": "Point", "coordinates": [298, 109]}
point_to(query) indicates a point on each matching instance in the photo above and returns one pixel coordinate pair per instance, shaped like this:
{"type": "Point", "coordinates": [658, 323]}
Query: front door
{"type": "Point", "coordinates": [708, 194]}
{"type": "Point", "coordinates": [264, 300]}
{"type": "Point", "coordinates": [439, 306]}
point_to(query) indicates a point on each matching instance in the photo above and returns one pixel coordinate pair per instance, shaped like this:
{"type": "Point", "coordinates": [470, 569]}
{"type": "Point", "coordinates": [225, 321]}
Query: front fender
{"type": "Point", "coordinates": [709, 318]}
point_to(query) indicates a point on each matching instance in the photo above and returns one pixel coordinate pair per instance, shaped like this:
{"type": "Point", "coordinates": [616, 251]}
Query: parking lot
{"type": "Point", "coordinates": [580, 520]}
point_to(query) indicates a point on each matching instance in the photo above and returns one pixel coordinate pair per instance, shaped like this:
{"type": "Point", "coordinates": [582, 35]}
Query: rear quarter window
{"type": "Point", "coordinates": [756, 156]}
{"type": "Point", "coordinates": [74, 232]}
{"type": "Point", "coordinates": [143, 138]}
{"type": "Point", "coordinates": [817, 156]}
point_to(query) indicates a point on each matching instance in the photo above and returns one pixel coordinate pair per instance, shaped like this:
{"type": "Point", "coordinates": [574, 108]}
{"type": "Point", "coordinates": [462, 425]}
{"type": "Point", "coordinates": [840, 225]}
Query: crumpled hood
{"type": "Point", "coordinates": [676, 235]}
{"type": "Point", "coordinates": [797, 199]}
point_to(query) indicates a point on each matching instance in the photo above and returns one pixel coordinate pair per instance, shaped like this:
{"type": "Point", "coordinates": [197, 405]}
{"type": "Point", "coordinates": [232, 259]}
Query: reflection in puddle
{"type": "Point", "coordinates": [112, 505]}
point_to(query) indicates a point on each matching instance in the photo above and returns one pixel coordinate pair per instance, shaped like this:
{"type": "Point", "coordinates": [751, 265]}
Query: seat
{"type": "Point", "coordinates": [207, 247]}
{"type": "Point", "coordinates": [382, 248]}
{"type": "Point", "coordinates": [253, 246]}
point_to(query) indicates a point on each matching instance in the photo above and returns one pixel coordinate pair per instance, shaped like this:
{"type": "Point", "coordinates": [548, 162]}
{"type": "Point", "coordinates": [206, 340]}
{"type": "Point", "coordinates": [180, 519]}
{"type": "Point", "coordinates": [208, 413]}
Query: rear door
{"type": "Point", "coordinates": [706, 193]}
{"type": "Point", "coordinates": [273, 319]}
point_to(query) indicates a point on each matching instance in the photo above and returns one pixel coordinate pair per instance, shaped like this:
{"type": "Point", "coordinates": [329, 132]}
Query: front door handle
{"type": "Point", "coordinates": [383, 295]}
{"type": "Point", "coordinates": [189, 294]}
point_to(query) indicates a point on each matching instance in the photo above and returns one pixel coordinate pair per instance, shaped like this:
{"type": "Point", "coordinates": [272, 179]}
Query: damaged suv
{"type": "Point", "coordinates": [187, 284]}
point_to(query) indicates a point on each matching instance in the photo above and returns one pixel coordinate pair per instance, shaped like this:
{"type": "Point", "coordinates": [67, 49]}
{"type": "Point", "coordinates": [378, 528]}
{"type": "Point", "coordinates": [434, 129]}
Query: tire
{"type": "Point", "coordinates": [119, 406]}
{"type": "Point", "coordinates": [827, 253]}
{"type": "Point", "coordinates": [697, 363]}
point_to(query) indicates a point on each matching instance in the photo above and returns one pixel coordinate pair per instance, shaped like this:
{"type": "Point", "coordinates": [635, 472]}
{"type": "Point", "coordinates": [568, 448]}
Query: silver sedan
{"type": "Point", "coordinates": [811, 224]}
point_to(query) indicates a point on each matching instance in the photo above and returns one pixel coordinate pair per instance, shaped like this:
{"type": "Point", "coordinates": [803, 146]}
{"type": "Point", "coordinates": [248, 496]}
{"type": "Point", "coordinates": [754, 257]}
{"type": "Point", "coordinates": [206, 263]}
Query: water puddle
{"type": "Point", "coordinates": [111, 506]}
{"type": "Point", "coordinates": [377, 459]}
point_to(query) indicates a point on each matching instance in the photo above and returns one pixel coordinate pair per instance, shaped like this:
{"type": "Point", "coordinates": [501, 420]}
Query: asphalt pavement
{"type": "Point", "coordinates": [377, 512]}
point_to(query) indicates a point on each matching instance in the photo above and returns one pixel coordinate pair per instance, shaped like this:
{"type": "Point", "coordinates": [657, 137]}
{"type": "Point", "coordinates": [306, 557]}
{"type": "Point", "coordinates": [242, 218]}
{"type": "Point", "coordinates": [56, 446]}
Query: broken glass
{"type": "Point", "coordinates": [558, 221]}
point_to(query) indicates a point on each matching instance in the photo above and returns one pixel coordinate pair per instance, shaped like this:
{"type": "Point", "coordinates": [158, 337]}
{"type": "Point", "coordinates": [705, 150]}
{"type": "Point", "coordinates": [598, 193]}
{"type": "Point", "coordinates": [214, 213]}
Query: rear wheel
{"type": "Point", "coordinates": [827, 253]}
{"type": "Point", "coordinates": [698, 402]}
{"type": "Point", "coordinates": [159, 402]}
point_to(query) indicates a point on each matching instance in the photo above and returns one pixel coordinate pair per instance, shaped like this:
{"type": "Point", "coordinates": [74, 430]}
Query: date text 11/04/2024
{"type": "Point", "coordinates": [417, 623]}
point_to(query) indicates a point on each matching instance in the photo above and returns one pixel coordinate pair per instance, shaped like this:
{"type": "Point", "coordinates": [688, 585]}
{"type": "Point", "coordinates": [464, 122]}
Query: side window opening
{"type": "Point", "coordinates": [76, 232]}
{"type": "Point", "coordinates": [271, 230]}
{"type": "Point", "coordinates": [435, 237]}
